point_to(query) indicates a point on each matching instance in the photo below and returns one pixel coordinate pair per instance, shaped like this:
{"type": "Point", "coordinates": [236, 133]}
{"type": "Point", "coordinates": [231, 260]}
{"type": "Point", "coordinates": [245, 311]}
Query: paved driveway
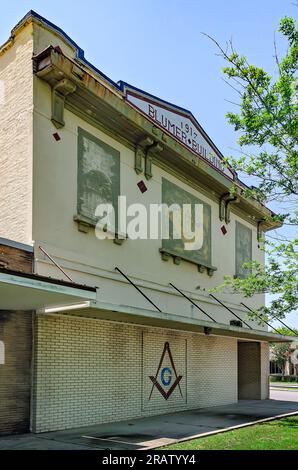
{"type": "Point", "coordinates": [156, 431]}
{"type": "Point", "coordinates": [289, 395]}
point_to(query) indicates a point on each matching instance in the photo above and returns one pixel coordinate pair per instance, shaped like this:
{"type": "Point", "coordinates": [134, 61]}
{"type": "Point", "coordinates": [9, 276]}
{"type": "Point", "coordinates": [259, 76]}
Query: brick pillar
{"type": "Point", "coordinates": [15, 371]}
{"type": "Point", "coordinates": [265, 370]}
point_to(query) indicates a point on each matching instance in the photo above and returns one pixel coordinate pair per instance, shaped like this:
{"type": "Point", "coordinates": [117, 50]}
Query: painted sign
{"type": "Point", "coordinates": [174, 195]}
{"type": "Point", "coordinates": [98, 174]}
{"type": "Point", "coordinates": [180, 126]}
{"type": "Point", "coordinates": [243, 241]}
{"type": "Point", "coordinates": [166, 378]}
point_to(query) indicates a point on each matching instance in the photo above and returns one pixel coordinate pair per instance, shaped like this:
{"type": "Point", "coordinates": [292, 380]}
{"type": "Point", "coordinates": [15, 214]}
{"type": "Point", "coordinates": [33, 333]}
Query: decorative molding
{"type": "Point", "coordinates": [85, 225]}
{"type": "Point", "coordinates": [59, 92]}
{"type": "Point", "coordinates": [164, 255]}
{"type": "Point", "coordinates": [151, 151]}
{"type": "Point", "coordinates": [117, 240]}
{"type": "Point", "coordinates": [234, 200]}
{"type": "Point", "coordinates": [148, 166]}
{"type": "Point", "coordinates": [259, 229]}
{"type": "Point", "coordinates": [210, 271]}
{"type": "Point", "coordinates": [139, 158]}
{"type": "Point", "coordinates": [58, 102]}
{"type": "Point", "coordinates": [224, 206]}
{"type": "Point", "coordinates": [51, 66]}
{"type": "Point", "coordinates": [145, 149]}
{"type": "Point", "coordinates": [140, 153]}
{"type": "Point", "coordinates": [78, 72]}
{"type": "Point", "coordinates": [167, 254]}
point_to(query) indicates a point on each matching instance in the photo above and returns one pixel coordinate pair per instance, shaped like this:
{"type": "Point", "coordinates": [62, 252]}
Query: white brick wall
{"type": "Point", "coordinates": [92, 371]}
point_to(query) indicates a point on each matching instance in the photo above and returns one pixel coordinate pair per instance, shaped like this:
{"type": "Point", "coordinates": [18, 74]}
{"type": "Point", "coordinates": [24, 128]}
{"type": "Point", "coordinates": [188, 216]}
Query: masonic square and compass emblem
{"type": "Point", "coordinates": [166, 379]}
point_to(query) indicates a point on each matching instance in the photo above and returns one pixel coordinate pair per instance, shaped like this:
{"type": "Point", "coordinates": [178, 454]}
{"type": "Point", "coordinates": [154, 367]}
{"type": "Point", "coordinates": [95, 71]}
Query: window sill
{"type": "Point", "coordinates": [85, 224]}
{"type": "Point", "coordinates": [166, 254]}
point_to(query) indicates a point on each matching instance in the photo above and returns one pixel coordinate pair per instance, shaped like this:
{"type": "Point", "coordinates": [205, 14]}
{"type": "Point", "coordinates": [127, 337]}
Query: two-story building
{"type": "Point", "coordinates": [118, 327]}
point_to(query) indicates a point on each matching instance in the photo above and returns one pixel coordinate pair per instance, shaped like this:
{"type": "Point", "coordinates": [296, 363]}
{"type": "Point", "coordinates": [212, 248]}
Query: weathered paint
{"type": "Point", "coordinates": [55, 166]}
{"type": "Point", "coordinates": [16, 259]}
{"type": "Point", "coordinates": [55, 175]}
{"type": "Point", "coordinates": [98, 175]}
{"type": "Point", "coordinates": [179, 124]}
{"type": "Point", "coordinates": [67, 364]}
{"type": "Point", "coordinates": [173, 194]}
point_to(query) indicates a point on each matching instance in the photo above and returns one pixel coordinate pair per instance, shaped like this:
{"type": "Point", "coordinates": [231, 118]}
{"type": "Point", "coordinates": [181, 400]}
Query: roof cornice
{"type": "Point", "coordinates": [131, 117]}
{"type": "Point", "coordinates": [92, 97]}
{"type": "Point", "coordinates": [33, 16]}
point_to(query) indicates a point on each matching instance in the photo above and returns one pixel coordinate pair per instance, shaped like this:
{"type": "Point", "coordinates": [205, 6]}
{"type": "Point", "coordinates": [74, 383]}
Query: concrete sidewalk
{"type": "Point", "coordinates": [149, 433]}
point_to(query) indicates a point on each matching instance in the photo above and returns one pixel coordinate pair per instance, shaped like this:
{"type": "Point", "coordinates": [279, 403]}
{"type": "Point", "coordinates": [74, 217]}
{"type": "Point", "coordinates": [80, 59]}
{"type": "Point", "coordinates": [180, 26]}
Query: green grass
{"type": "Point", "coordinates": [285, 379]}
{"type": "Point", "coordinates": [280, 434]}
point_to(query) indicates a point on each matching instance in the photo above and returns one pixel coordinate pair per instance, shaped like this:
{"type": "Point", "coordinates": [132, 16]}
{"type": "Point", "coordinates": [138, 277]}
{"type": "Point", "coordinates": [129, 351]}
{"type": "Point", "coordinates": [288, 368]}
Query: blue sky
{"type": "Point", "coordinates": [158, 46]}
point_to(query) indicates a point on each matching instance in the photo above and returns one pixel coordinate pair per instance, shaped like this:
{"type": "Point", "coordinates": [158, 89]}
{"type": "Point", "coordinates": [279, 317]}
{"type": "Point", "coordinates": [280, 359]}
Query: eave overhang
{"type": "Point", "coordinates": [145, 317]}
{"type": "Point", "coordinates": [98, 103]}
{"type": "Point", "coordinates": [20, 291]}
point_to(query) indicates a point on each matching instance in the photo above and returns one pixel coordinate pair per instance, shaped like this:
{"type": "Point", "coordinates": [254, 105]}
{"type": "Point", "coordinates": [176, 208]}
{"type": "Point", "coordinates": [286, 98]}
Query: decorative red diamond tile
{"type": "Point", "coordinates": [223, 229]}
{"type": "Point", "coordinates": [56, 136]}
{"type": "Point", "coordinates": [142, 187]}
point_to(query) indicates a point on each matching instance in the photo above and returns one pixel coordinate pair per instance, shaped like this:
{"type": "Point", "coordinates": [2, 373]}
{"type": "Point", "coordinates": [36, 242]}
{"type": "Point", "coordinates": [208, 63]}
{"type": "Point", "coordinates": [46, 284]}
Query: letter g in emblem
{"type": "Point", "coordinates": [166, 376]}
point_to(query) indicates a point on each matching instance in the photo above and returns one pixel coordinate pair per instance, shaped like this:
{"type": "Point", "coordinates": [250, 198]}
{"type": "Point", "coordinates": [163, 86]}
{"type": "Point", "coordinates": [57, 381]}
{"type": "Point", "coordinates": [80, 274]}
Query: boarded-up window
{"type": "Point", "coordinates": [173, 194]}
{"type": "Point", "coordinates": [98, 175]}
{"type": "Point", "coordinates": [243, 249]}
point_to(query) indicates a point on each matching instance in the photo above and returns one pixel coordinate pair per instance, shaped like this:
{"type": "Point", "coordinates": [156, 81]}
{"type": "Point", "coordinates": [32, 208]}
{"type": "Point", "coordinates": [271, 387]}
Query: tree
{"type": "Point", "coordinates": [268, 123]}
{"type": "Point", "coordinates": [282, 352]}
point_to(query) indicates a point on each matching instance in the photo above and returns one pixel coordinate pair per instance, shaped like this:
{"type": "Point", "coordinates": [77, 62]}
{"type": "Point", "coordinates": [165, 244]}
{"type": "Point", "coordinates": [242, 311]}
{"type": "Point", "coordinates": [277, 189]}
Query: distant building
{"type": "Point", "coordinates": [81, 342]}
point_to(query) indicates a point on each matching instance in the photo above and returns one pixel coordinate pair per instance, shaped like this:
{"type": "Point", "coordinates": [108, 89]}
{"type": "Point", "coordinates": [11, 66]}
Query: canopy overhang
{"type": "Point", "coordinates": [19, 291]}
{"type": "Point", "coordinates": [145, 317]}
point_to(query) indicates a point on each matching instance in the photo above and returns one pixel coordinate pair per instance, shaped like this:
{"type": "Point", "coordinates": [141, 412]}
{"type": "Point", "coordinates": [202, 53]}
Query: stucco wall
{"type": "Point", "coordinates": [16, 106]}
{"type": "Point", "coordinates": [92, 261]}
{"type": "Point", "coordinates": [43, 211]}
{"type": "Point", "coordinates": [91, 371]}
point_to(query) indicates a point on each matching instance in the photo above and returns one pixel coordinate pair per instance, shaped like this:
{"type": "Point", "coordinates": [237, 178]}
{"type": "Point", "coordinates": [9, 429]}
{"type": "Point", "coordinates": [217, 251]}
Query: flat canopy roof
{"type": "Point", "coordinates": [20, 291]}
{"type": "Point", "coordinates": [141, 317]}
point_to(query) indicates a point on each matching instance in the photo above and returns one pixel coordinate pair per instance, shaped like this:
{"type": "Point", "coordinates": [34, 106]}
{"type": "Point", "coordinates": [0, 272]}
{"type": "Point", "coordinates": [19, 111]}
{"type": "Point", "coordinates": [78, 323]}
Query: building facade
{"type": "Point", "coordinates": [146, 338]}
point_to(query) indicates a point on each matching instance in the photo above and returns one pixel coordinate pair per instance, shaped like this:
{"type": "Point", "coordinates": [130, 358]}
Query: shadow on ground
{"type": "Point", "coordinates": [157, 431]}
